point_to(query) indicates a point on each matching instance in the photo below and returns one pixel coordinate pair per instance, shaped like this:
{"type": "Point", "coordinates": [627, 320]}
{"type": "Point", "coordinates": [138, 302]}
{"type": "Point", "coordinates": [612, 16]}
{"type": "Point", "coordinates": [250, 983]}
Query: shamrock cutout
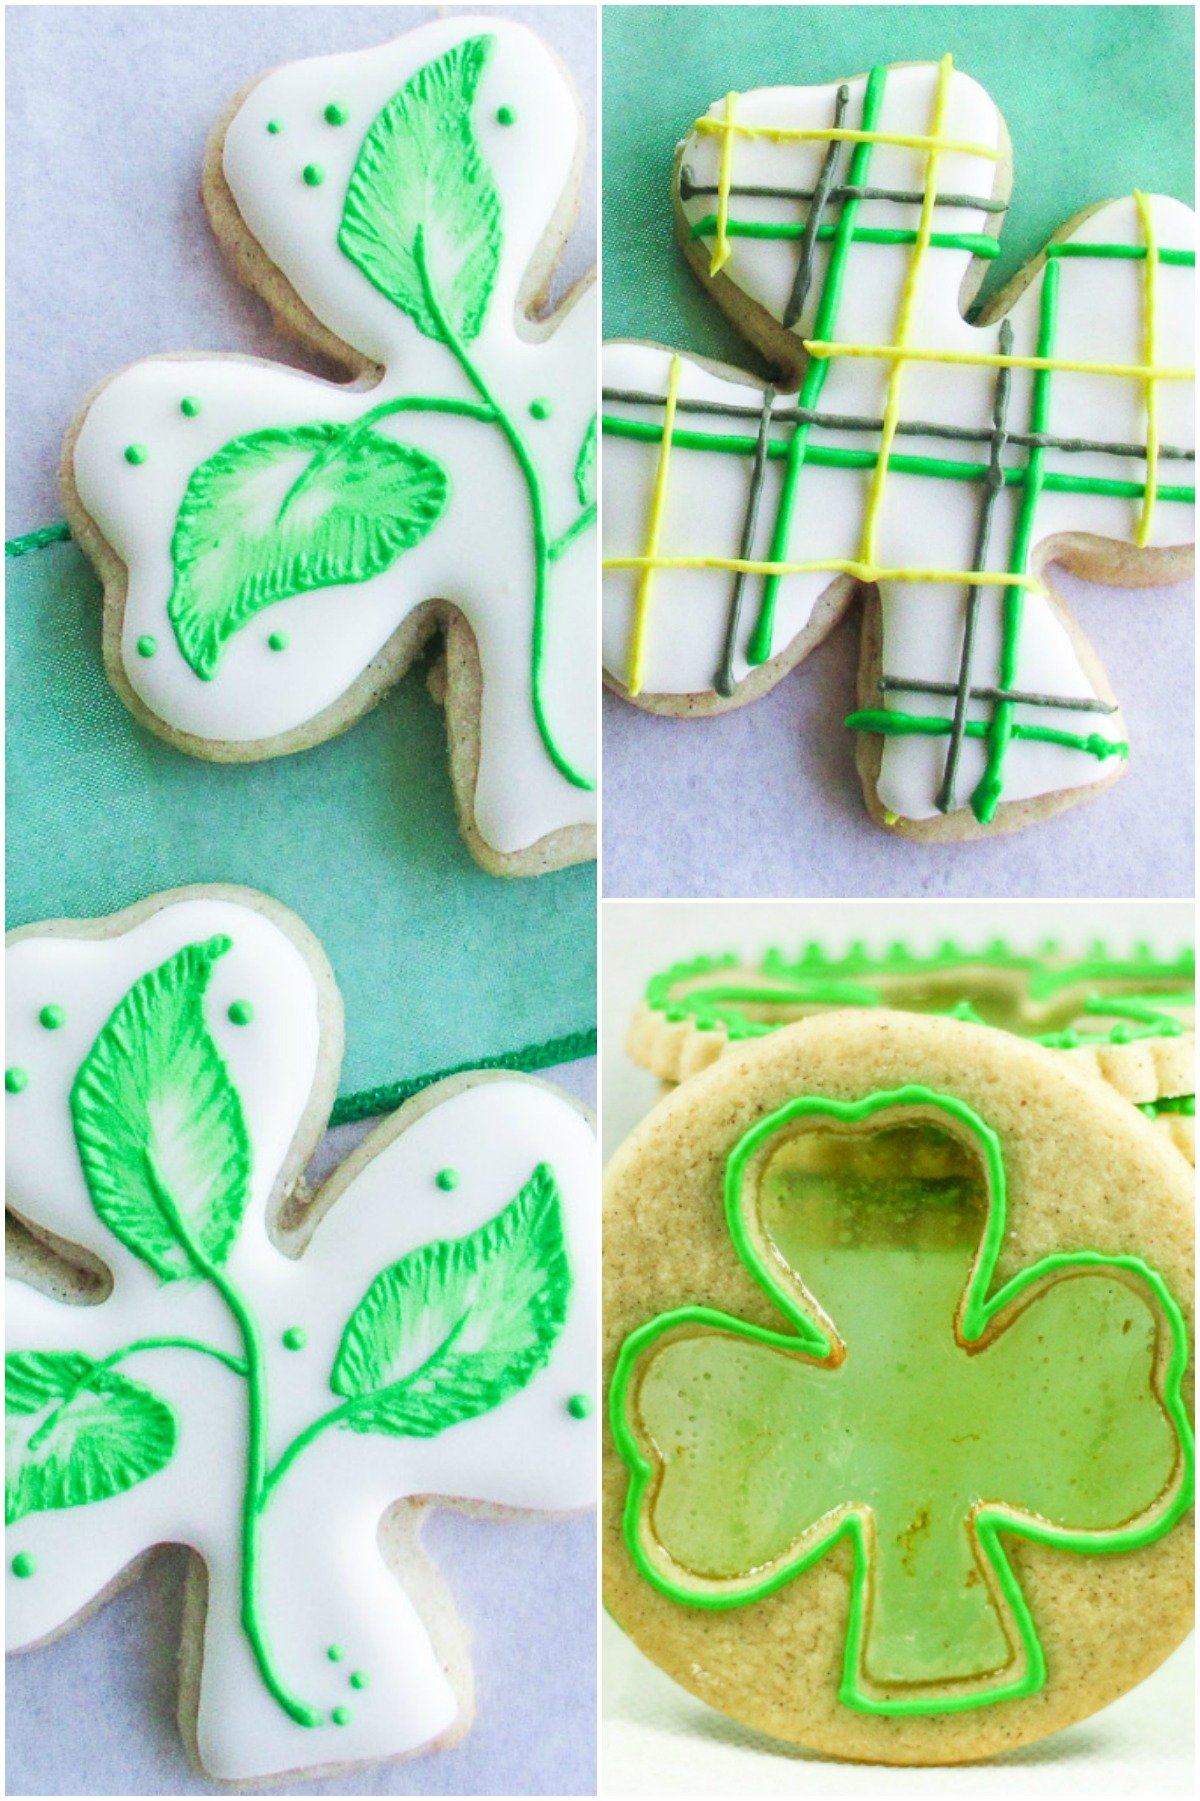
{"type": "Point", "coordinates": [934, 463]}
{"type": "Point", "coordinates": [265, 1384]}
{"type": "Point", "coordinates": [907, 1408]}
{"type": "Point", "coordinates": [276, 549]}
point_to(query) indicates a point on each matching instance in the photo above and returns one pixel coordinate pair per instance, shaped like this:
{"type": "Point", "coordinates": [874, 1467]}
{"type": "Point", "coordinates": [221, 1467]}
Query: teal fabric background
{"type": "Point", "coordinates": [1070, 81]}
{"type": "Point", "coordinates": [439, 964]}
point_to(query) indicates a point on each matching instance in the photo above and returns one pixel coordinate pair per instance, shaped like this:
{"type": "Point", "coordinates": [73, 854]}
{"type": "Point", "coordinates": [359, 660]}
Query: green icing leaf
{"type": "Point", "coordinates": [585, 466]}
{"type": "Point", "coordinates": [454, 1329]}
{"type": "Point", "coordinates": [419, 174]}
{"type": "Point", "coordinates": [159, 1124]}
{"type": "Point", "coordinates": [76, 1432]}
{"type": "Point", "coordinates": [279, 513]}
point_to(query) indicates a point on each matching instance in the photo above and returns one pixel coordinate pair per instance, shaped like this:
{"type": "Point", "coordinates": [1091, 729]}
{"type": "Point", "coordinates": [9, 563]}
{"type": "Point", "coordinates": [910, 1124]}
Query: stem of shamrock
{"type": "Point", "coordinates": [344, 442]}
{"type": "Point", "coordinates": [542, 551]}
{"type": "Point", "coordinates": [337, 1415]}
{"type": "Point", "coordinates": [256, 1449]}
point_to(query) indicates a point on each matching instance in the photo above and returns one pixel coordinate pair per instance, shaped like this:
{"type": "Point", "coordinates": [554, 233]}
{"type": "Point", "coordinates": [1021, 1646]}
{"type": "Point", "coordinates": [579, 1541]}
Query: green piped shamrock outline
{"type": "Point", "coordinates": [157, 1040]}
{"type": "Point", "coordinates": [807, 1339]}
{"type": "Point", "coordinates": [400, 492]}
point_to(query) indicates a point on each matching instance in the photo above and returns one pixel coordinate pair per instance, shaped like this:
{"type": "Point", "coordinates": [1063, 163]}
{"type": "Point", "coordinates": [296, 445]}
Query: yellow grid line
{"type": "Point", "coordinates": [817, 347]}
{"type": "Point", "coordinates": [649, 563]}
{"type": "Point", "coordinates": [863, 572]}
{"type": "Point", "coordinates": [1149, 351]}
{"type": "Point", "coordinates": [908, 294]}
{"type": "Point", "coordinates": [780, 134]}
{"type": "Point", "coordinates": [721, 251]}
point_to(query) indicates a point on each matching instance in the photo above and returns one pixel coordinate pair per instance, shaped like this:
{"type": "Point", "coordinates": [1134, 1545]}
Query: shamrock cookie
{"type": "Point", "coordinates": [281, 1384]}
{"type": "Point", "coordinates": [896, 1338]}
{"type": "Point", "coordinates": [1129, 1019]}
{"type": "Point", "coordinates": [934, 465]}
{"type": "Point", "coordinates": [275, 549]}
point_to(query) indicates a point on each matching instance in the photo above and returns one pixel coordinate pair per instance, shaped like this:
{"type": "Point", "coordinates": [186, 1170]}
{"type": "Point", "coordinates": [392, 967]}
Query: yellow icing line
{"type": "Point", "coordinates": [1135, 371]}
{"type": "Point", "coordinates": [721, 252]}
{"type": "Point", "coordinates": [1149, 352]}
{"type": "Point", "coordinates": [863, 572]}
{"type": "Point", "coordinates": [908, 294]}
{"type": "Point", "coordinates": [650, 562]}
{"type": "Point", "coordinates": [779, 134]}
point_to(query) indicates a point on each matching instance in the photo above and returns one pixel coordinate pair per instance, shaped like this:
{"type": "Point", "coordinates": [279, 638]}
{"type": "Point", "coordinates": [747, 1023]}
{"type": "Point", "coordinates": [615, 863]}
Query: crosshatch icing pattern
{"type": "Point", "coordinates": [923, 454]}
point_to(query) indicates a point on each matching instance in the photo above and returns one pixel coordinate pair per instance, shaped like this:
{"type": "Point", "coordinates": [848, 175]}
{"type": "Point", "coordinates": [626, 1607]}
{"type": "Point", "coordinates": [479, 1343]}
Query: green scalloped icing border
{"type": "Point", "coordinates": [839, 982]}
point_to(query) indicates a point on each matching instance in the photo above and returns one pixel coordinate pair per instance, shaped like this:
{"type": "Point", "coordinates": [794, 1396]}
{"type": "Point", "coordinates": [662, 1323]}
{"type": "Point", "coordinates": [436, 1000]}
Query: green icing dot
{"type": "Point", "coordinates": [506, 116]}
{"type": "Point", "coordinates": [335, 114]}
{"type": "Point", "coordinates": [340, 1716]}
{"type": "Point", "coordinates": [274, 127]}
{"type": "Point", "coordinates": [278, 641]}
{"type": "Point", "coordinates": [359, 1679]}
{"type": "Point", "coordinates": [240, 1013]}
{"type": "Point", "coordinates": [295, 1339]}
{"type": "Point", "coordinates": [314, 174]}
{"type": "Point", "coordinates": [53, 1016]}
{"type": "Point", "coordinates": [335, 1654]}
{"type": "Point", "coordinates": [135, 453]}
{"type": "Point", "coordinates": [447, 1179]}
{"type": "Point", "coordinates": [15, 1079]}
{"type": "Point", "coordinates": [147, 646]}
{"type": "Point", "coordinates": [579, 1407]}
{"type": "Point", "coordinates": [540, 409]}
{"type": "Point", "coordinates": [24, 1564]}
{"type": "Point", "coordinates": [189, 406]}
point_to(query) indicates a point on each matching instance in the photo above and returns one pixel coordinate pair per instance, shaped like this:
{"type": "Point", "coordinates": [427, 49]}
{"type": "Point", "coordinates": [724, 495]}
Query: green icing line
{"type": "Point", "coordinates": [890, 722]}
{"type": "Point", "coordinates": [816, 979]}
{"type": "Point", "coordinates": [1134, 253]}
{"type": "Point", "coordinates": [978, 243]}
{"type": "Point", "coordinates": [929, 1217]}
{"type": "Point", "coordinates": [1184, 1104]}
{"type": "Point", "coordinates": [831, 456]}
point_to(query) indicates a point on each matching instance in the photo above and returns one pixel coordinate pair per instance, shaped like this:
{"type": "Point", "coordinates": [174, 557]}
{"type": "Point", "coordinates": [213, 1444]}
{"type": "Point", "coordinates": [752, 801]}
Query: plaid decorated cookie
{"type": "Point", "coordinates": [932, 464]}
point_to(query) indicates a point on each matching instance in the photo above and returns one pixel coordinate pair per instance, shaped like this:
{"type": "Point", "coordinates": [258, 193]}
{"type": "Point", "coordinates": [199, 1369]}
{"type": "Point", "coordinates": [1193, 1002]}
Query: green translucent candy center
{"type": "Point", "coordinates": [763, 1450]}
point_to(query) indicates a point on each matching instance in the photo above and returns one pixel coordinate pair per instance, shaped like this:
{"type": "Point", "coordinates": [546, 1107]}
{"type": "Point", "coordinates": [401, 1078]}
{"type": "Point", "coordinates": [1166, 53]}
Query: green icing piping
{"type": "Point", "coordinates": [822, 981]}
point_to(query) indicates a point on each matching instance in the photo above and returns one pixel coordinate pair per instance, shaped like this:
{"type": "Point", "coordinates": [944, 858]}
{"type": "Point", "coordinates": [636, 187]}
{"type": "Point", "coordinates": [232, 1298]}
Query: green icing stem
{"type": "Point", "coordinates": [542, 545]}
{"type": "Point", "coordinates": [805, 1341]}
{"type": "Point", "coordinates": [832, 456]}
{"type": "Point", "coordinates": [978, 243]}
{"type": "Point", "coordinates": [255, 1491]}
{"type": "Point", "coordinates": [759, 647]}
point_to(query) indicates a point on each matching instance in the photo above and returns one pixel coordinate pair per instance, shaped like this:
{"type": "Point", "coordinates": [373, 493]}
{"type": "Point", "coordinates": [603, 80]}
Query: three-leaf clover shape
{"type": "Point", "coordinates": [908, 1407]}
{"type": "Point", "coordinates": [276, 549]}
{"type": "Point", "coordinates": [266, 1392]}
{"type": "Point", "coordinates": [932, 462]}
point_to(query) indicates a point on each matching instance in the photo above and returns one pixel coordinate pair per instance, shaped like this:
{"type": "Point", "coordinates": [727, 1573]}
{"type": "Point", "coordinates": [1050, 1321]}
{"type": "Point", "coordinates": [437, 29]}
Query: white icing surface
{"type": "Point", "coordinates": [323, 1579]}
{"type": "Point", "coordinates": [923, 523]}
{"type": "Point", "coordinates": [479, 555]}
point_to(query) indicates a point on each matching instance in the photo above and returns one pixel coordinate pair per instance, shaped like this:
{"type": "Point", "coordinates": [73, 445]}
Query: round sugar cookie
{"type": "Point", "coordinates": [897, 1316]}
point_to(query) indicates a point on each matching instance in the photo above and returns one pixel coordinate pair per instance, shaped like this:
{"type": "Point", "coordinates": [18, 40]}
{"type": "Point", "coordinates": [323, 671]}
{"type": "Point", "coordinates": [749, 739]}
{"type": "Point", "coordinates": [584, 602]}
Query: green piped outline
{"type": "Point", "coordinates": [807, 1339]}
{"type": "Point", "coordinates": [831, 976]}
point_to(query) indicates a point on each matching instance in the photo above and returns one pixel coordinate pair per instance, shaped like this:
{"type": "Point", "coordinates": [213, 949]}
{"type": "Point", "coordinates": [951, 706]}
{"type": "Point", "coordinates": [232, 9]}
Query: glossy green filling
{"type": "Point", "coordinates": [1053, 1414]}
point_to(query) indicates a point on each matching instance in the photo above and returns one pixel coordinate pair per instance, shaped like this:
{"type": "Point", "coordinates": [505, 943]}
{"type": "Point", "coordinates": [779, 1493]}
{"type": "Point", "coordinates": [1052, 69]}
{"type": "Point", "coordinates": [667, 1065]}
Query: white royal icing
{"type": "Point", "coordinates": [923, 523]}
{"type": "Point", "coordinates": [324, 1581]}
{"type": "Point", "coordinates": [479, 554]}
